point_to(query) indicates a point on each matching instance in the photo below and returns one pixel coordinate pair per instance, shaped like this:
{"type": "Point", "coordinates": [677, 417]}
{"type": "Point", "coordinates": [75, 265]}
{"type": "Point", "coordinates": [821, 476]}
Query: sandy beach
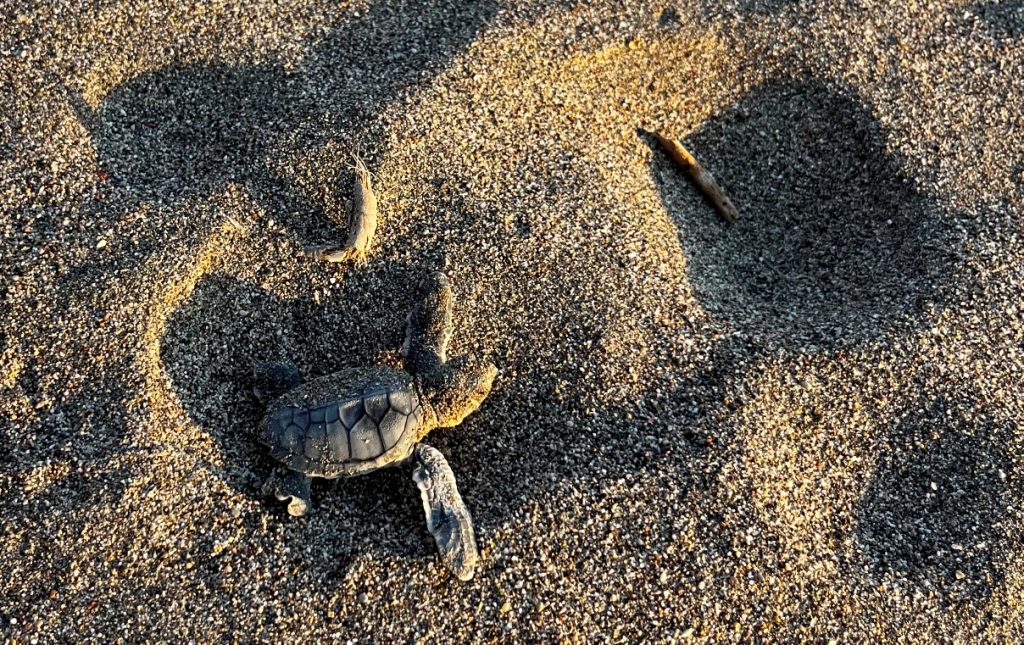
{"type": "Point", "coordinates": [803, 427]}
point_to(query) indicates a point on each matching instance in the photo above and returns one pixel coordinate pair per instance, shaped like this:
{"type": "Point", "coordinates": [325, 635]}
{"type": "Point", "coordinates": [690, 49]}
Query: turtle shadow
{"type": "Point", "coordinates": [834, 245]}
{"type": "Point", "coordinates": [932, 515]}
{"type": "Point", "coordinates": [228, 326]}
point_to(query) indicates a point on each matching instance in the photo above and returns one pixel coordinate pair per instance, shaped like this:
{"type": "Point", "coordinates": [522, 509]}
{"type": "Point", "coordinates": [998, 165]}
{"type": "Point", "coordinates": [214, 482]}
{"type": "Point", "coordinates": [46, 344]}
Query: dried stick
{"type": "Point", "coordinates": [362, 226]}
{"type": "Point", "coordinates": [700, 176]}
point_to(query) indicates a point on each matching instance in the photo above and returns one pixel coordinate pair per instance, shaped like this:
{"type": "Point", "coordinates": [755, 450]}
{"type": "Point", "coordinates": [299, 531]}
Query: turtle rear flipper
{"type": "Point", "coordinates": [448, 519]}
{"type": "Point", "coordinates": [292, 488]}
{"type": "Point", "coordinates": [429, 327]}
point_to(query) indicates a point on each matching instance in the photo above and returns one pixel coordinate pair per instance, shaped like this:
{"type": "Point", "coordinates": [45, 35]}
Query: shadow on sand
{"type": "Point", "coordinates": [189, 129]}
{"type": "Point", "coordinates": [836, 249]}
{"type": "Point", "coordinates": [933, 513]}
{"type": "Point", "coordinates": [1003, 18]}
{"type": "Point", "coordinates": [834, 244]}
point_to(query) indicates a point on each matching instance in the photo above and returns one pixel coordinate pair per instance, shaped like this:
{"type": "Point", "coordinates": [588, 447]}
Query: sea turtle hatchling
{"type": "Point", "coordinates": [359, 420]}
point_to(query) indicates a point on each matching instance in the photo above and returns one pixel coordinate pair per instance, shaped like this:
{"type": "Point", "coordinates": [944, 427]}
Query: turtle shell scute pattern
{"type": "Point", "coordinates": [327, 437]}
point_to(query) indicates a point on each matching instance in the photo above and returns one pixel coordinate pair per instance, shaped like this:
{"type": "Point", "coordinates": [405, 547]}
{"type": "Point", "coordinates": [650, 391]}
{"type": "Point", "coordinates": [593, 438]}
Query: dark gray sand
{"type": "Point", "coordinates": [805, 427]}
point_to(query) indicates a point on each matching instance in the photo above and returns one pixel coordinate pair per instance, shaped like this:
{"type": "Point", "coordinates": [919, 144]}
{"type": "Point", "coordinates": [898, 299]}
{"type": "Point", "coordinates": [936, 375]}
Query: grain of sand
{"type": "Point", "coordinates": [805, 427]}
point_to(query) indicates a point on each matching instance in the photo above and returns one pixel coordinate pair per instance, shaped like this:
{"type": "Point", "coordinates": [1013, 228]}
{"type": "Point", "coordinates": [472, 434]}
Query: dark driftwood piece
{"type": "Point", "coordinates": [701, 177]}
{"type": "Point", "coordinates": [362, 227]}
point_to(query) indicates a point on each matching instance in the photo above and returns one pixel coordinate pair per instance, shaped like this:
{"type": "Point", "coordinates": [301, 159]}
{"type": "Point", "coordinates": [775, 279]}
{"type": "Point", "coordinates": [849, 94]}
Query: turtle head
{"type": "Point", "coordinates": [460, 387]}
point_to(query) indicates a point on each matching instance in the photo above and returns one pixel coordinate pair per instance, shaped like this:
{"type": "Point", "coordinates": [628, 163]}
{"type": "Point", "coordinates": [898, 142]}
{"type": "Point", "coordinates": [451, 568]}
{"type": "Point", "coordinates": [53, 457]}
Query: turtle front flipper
{"type": "Point", "coordinates": [448, 519]}
{"type": "Point", "coordinates": [429, 327]}
{"type": "Point", "coordinates": [272, 379]}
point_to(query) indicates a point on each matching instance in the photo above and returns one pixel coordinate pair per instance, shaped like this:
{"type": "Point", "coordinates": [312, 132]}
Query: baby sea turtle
{"type": "Point", "coordinates": [359, 420]}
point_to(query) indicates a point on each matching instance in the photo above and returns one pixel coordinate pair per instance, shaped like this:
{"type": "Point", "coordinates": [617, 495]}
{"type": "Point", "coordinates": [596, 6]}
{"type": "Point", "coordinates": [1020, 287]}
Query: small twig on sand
{"type": "Point", "coordinates": [362, 226]}
{"type": "Point", "coordinates": [701, 177]}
